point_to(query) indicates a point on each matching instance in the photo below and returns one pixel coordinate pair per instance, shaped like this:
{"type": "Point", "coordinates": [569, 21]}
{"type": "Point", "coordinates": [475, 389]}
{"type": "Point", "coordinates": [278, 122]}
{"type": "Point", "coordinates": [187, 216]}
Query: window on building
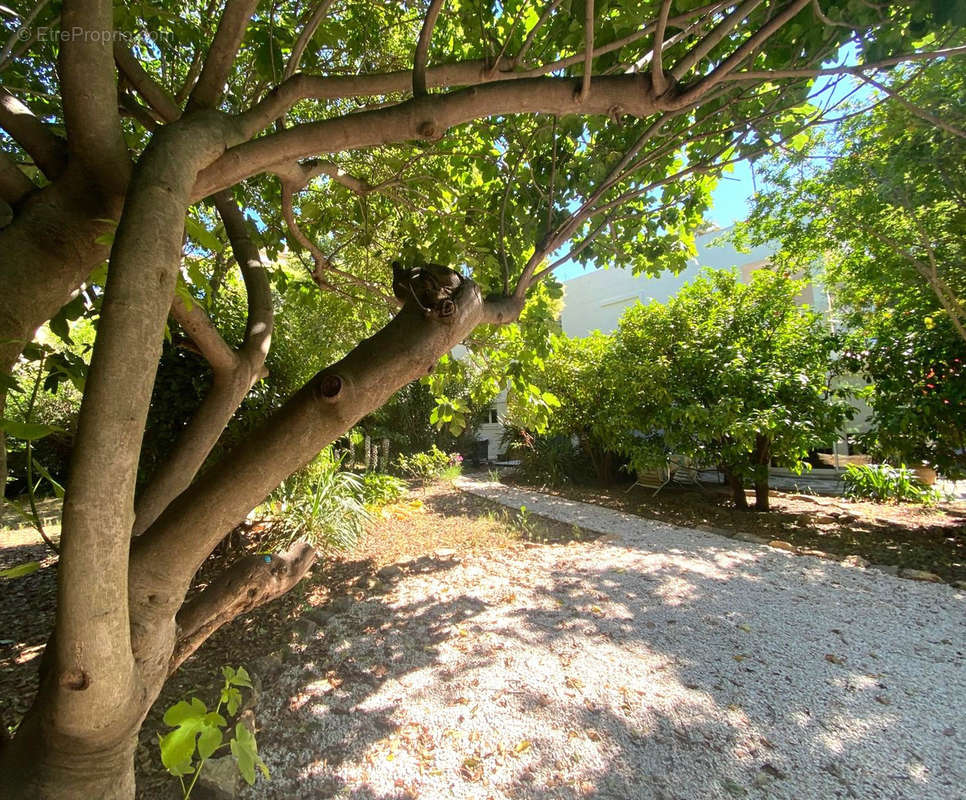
{"type": "Point", "coordinates": [493, 415]}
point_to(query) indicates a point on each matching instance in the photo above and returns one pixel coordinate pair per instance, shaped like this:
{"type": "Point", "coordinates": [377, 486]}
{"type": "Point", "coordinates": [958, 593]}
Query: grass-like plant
{"type": "Point", "coordinates": [886, 484]}
{"type": "Point", "coordinates": [321, 504]}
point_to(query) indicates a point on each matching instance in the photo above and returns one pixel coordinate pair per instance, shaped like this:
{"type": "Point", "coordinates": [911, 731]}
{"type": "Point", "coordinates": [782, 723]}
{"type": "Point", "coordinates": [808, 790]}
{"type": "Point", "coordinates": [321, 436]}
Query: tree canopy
{"type": "Point", "coordinates": [874, 206]}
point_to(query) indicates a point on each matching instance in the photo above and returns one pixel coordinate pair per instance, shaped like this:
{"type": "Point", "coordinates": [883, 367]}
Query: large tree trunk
{"type": "Point", "coordinates": [39, 766]}
{"type": "Point", "coordinates": [737, 487]}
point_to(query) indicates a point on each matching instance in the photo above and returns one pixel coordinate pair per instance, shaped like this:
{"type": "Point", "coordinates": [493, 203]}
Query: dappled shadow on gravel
{"type": "Point", "coordinates": [26, 616]}
{"type": "Point", "coordinates": [656, 663]}
{"type": "Point", "coordinates": [714, 677]}
{"type": "Point", "coordinates": [671, 669]}
{"type": "Point", "coordinates": [907, 535]}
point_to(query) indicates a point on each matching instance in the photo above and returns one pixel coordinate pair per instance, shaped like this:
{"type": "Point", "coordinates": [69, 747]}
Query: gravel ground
{"type": "Point", "coordinates": [656, 662]}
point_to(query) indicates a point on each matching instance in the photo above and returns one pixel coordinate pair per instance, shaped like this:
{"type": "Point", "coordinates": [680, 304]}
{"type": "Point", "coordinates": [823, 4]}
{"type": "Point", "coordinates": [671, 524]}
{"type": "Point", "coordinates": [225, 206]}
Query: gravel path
{"type": "Point", "coordinates": [657, 662]}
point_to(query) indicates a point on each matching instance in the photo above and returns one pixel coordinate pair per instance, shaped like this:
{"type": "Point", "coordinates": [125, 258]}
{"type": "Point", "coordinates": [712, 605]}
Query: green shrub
{"type": "Point", "coordinates": [320, 504]}
{"type": "Point", "coordinates": [884, 483]}
{"type": "Point", "coordinates": [551, 460]}
{"type": "Point", "coordinates": [380, 489]}
{"type": "Point", "coordinates": [434, 464]}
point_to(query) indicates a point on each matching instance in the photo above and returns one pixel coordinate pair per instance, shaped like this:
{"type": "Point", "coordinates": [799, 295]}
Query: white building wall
{"type": "Point", "coordinates": [595, 301]}
{"type": "Point", "coordinates": [492, 432]}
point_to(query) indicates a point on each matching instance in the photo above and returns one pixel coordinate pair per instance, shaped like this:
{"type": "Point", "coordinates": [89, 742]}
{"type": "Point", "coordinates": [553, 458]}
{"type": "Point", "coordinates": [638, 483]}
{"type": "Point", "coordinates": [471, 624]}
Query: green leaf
{"type": "Point", "coordinates": [28, 431]}
{"type": "Point", "coordinates": [209, 741]}
{"type": "Point", "coordinates": [232, 698]}
{"type": "Point", "coordinates": [42, 471]}
{"type": "Point", "coordinates": [178, 748]}
{"type": "Point", "coordinates": [245, 751]}
{"type": "Point", "coordinates": [19, 571]}
{"type": "Point", "coordinates": [8, 383]}
{"type": "Point", "coordinates": [183, 710]}
{"type": "Point", "coordinates": [242, 678]}
{"type": "Point", "coordinates": [202, 235]}
{"type": "Point", "coordinates": [182, 290]}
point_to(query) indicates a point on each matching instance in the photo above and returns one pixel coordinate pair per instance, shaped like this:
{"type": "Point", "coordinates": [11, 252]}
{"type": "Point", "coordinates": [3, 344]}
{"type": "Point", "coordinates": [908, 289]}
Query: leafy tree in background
{"type": "Point", "coordinates": [500, 141]}
{"type": "Point", "coordinates": [728, 374]}
{"type": "Point", "coordinates": [880, 202]}
{"type": "Point", "coordinates": [576, 372]}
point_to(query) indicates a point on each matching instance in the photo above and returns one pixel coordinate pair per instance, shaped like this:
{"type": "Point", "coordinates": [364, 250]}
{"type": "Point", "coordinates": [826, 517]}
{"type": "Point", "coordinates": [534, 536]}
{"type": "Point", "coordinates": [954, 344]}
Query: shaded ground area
{"type": "Point", "coordinates": [423, 532]}
{"type": "Point", "coordinates": [904, 535]}
{"type": "Point", "coordinates": [471, 651]}
{"type": "Point", "coordinates": [655, 662]}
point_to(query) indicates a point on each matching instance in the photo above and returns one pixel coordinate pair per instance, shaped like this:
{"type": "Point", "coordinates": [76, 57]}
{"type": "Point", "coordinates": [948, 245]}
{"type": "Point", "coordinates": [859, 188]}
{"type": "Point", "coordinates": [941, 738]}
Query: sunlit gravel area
{"type": "Point", "coordinates": [656, 662]}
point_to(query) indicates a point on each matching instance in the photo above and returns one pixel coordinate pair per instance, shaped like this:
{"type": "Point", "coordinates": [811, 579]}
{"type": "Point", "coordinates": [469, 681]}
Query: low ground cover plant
{"type": "Point", "coordinates": [886, 484]}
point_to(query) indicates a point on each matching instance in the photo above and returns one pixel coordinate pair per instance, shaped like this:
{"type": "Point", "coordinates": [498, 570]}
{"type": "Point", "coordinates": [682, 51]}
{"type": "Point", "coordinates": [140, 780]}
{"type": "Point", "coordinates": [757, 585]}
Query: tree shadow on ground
{"type": "Point", "coordinates": [683, 673]}
{"type": "Point", "coordinates": [913, 536]}
{"type": "Point", "coordinates": [741, 685]}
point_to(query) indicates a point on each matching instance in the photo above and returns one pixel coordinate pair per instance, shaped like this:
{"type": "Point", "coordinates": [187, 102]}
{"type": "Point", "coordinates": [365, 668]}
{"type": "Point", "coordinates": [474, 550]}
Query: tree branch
{"type": "Point", "coordinates": [16, 37]}
{"type": "Point", "coordinates": [918, 111]}
{"type": "Point", "coordinates": [233, 374]}
{"type": "Point", "coordinates": [588, 49]}
{"type": "Point", "coordinates": [14, 185]}
{"type": "Point", "coordinates": [421, 57]}
{"type": "Point", "coordinates": [205, 336]}
{"type": "Point", "coordinates": [305, 36]}
{"type": "Point", "coordinates": [92, 647]}
{"type": "Point", "coordinates": [48, 151]}
{"type": "Point", "coordinates": [166, 557]}
{"type": "Point", "coordinates": [777, 74]}
{"type": "Point", "coordinates": [154, 95]}
{"type": "Point", "coordinates": [425, 118]}
{"type": "Point", "coordinates": [657, 67]}
{"type": "Point", "coordinates": [553, 239]}
{"type": "Point", "coordinates": [247, 584]}
{"type": "Point", "coordinates": [464, 73]}
{"type": "Point", "coordinates": [731, 63]}
{"type": "Point", "coordinates": [322, 264]}
{"type": "Point", "coordinates": [228, 38]}
{"type": "Point", "coordinates": [713, 38]}
{"type": "Point", "coordinates": [89, 93]}
{"type": "Point", "coordinates": [528, 42]}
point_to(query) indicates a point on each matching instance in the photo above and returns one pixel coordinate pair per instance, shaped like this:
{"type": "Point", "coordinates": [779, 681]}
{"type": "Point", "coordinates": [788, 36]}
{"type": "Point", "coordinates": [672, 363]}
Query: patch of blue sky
{"type": "Point", "coordinates": [732, 198]}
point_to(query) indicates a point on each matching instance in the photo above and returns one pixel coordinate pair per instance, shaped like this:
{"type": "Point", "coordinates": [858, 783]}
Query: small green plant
{"type": "Point", "coordinates": [320, 504]}
{"type": "Point", "coordinates": [526, 524]}
{"type": "Point", "coordinates": [380, 489]}
{"type": "Point", "coordinates": [885, 484]}
{"type": "Point", "coordinates": [434, 464]}
{"type": "Point", "coordinates": [199, 733]}
{"type": "Point", "coordinates": [493, 475]}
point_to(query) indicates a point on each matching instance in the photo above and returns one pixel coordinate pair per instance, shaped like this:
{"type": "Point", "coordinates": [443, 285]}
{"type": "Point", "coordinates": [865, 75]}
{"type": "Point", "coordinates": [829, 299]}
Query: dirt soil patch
{"type": "Point", "coordinates": [931, 538]}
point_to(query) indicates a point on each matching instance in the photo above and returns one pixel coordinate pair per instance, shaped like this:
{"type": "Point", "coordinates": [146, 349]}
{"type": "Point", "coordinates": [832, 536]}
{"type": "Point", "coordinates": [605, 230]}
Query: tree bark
{"type": "Point", "coordinates": [249, 583]}
{"type": "Point", "coordinates": [234, 372]}
{"type": "Point", "coordinates": [737, 489]}
{"type": "Point", "coordinates": [38, 766]}
{"type": "Point", "coordinates": [762, 460]}
{"type": "Point", "coordinates": [93, 693]}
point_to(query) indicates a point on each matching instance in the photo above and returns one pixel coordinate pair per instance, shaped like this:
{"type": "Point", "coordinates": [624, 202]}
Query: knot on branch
{"type": "Point", "coordinates": [330, 387]}
{"type": "Point", "coordinates": [427, 130]}
{"type": "Point", "coordinates": [432, 288]}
